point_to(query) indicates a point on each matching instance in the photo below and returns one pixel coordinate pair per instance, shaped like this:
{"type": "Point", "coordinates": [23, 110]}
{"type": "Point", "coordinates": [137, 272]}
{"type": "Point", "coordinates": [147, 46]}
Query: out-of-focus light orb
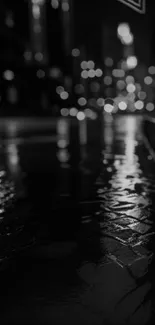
{"type": "Point", "coordinates": [129, 79]}
{"type": "Point", "coordinates": [63, 155]}
{"type": "Point", "coordinates": [91, 73]}
{"type": "Point", "coordinates": [108, 80]}
{"type": "Point", "coordinates": [55, 73]}
{"type": "Point", "coordinates": [82, 101]}
{"type": "Point", "coordinates": [100, 102]}
{"type": "Point", "coordinates": [80, 116]}
{"type": "Point", "coordinates": [40, 73]}
{"type": "Point", "coordinates": [79, 88]}
{"type": "Point", "coordinates": [64, 111]}
{"type": "Point", "coordinates": [65, 6]}
{"type": "Point", "coordinates": [55, 4]}
{"type": "Point", "coordinates": [9, 20]}
{"type": "Point", "coordinates": [75, 52]}
{"type": "Point", "coordinates": [94, 86]}
{"type": "Point", "coordinates": [122, 105]}
{"type": "Point", "coordinates": [84, 65]}
{"type": "Point", "coordinates": [128, 39]}
{"type": "Point", "coordinates": [59, 89]}
{"type": "Point", "coordinates": [73, 111]}
{"type": "Point", "coordinates": [90, 64]}
{"type": "Point", "coordinates": [98, 73]}
{"type": "Point", "coordinates": [123, 65]}
{"type": "Point", "coordinates": [108, 62]}
{"type": "Point", "coordinates": [148, 80]}
{"type": "Point", "coordinates": [118, 73]}
{"type": "Point", "coordinates": [123, 30]}
{"type": "Point", "coordinates": [38, 56]}
{"type": "Point", "coordinates": [150, 107]}
{"type": "Point", "coordinates": [120, 84]}
{"type": "Point", "coordinates": [141, 95]}
{"type": "Point", "coordinates": [151, 69]}
{"type": "Point", "coordinates": [139, 104]}
{"type": "Point", "coordinates": [92, 102]}
{"type": "Point", "coordinates": [64, 95]}
{"type": "Point", "coordinates": [90, 114]}
{"type": "Point", "coordinates": [131, 62]}
{"type": "Point", "coordinates": [62, 143]}
{"type": "Point", "coordinates": [8, 75]}
{"type": "Point", "coordinates": [28, 55]}
{"type": "Point", "coordinates": [130, 88]}
{"type": "Point", "coordinates": [108, 108]}
{"type": "Point", "coordinates": [131, 97]}
{"type": "Point", "coordinates": [84, 74]}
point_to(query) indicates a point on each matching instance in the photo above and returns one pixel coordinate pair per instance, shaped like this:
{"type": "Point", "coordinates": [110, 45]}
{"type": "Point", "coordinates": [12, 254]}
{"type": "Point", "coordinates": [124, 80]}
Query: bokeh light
{"type": "Point", "coordinates": [82, 101]}
{"type": "Point", "coordinates": [84, 74]}
{"type": "Point", "coordinates": [64, 111]}
{"type": "Point", "coordinates": [84, 65]}
{"type": "Point", "coordinates": [151, 69]}
{"type": "Point", "coordinates": [75, 52]}
{"type": "Point", "coordinates": [108, 62]}
{"type": "Point", "coordinates": [107, 80]}
{"type": "Point", "coordinates": [131, 62]}
{"type": "Point", "coordinates": [139, 104]}
{"type": "Point", "coordinates": [80, 116]}
{"type": "Point", "coordinates": [141, 95]}
{"type": "Point", "coordinates": [150, 107]}
{"type": "Point", "coordinates": [122, 105]}
{"type": "Point", "coordinates": [73, 111]}
{"type": "Point", "coordinates": [91, 73]}
{"type": "Point", "coordinates": [123, 30]}
{"type": "Point", "coordinates": [148, 80]}
{"type": "Point", "coordinates": [98, 73]}
{"type": "Point", "coordinates": [64, 95]}
{"type": "Point", "coordinates": [108, 108]}
{"type": "Point", "coordinates": [90, 64]}
{"type": "Point", "coordinates": [130, 88]}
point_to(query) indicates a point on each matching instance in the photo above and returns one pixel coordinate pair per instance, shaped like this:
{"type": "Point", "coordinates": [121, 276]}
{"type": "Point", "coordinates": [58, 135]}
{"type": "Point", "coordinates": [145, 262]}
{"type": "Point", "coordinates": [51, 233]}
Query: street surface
{"type": "Point", "coordinates": [105, 273]}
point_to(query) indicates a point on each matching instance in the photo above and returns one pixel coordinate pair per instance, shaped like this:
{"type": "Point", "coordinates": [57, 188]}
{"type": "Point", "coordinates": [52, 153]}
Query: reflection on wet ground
{"type": "Point", "coordinates": [106, 276]}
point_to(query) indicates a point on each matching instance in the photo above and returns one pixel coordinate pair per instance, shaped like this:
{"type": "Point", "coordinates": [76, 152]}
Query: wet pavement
{"type": "Point", "coordinates": [106, 274]}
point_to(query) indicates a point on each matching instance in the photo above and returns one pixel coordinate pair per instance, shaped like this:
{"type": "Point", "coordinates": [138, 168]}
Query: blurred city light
{"type": "Point", "coordinates": [151, 69]}
{"type": "Point", "coordinates": [118, 73]}
{"type": "Point", "coordinates": [91, 73]}
{"type": "Point", "coordinates": [80, 116]}
{"type": "Point", "coordinates": [108, 62]}
{"type": "Point", "coordinates": [128, 39]}
{"type": "Point", "coordinates": [150, 107]}
{"type": "Point", "coordinates": [108, 80]}
{"type": "Point", "coordinates": [8, 75]}
{"type": "Point", "coordinates": [64, 95]}
{"type": "Point", "coordinates": [98, 73]}
{"type": "Point", "coordinates": [123, 30]}
{"type": "Point", "coordinates": [84, 74]}
{"type": "Point", "coordinates": [139, 104]}
{"type": "Point", "coordinates": [55, 4]}
{"type": "Point", "coordinates": [95, 86]}
{"type": "Point", "coordinates": [40, 73]}
{"type": "Point", "coordinates": [79, 88]}
{"type": "Point", "coordinates": [141, 95]}
{"type": "Point", "coordinates": [82, 101]}
{"type": "Point", "coordinates": [108, 108]}
{"type": "Point", "coordinates": [64, 112]}
{"type": "Point", "coordinates": [84, 65]}
{"type": "Point", "coordinates": [73, 111]}
{"type": "Point", "coordinates": [65, 5]}
{"type": "Point", "coordinates": [75, 52]}
{"type": "Point", "coordinates": [120, 84]}
{"type": "Point", "coordinates": [148, 80]}
{"type": "Point", "coordinates": [27, 55]}
{"type": "Point", "coordinates": [59, 89]}
{"type": "Point", "coordinates": [129, 79]}
{"type": "Point", "coordinates": [122, 105]}
{"type": "Point", "coordinates": [131, 62]}
{"type": "Point", "coordinates": [38, 56]}
{"type": "Point", "coordinates": [90, 64]}
{"type": "Point", "coordinates": [62, 143]}
{"type": "Point", "coordinates": [55, 72]}
{"type": "Point", "coordinates": [130, 88]}
{"type": "Point", "coordinates": [100, 102]}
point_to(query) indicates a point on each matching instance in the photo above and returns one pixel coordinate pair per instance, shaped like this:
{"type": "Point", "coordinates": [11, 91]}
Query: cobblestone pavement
{"type": "Point", "coordinates": [107, 275]}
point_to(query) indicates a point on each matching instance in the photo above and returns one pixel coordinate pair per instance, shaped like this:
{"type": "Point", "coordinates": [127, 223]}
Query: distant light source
{"type": "Point", "coordinates": [107, 80]}
{"type": "Point", "coordinates": [95, 86]}
{"type": "Point", "coordinates": [108, 62]}
{"type": "Point", "coordinates": [141, 95]}
{"type": "Point", "coordinates": [64, 112]}
{"type": "Point", "coordinates": [75, 52]}
{"type": "Point", "coordinates": [128, 39]}
{"type": "Point", "coordinates": [131, 62]}
{"type": "Point", "coordinates": [40, 73]}
{"type": "Point", "coordinates": [118, 73]}
{"type": "Point", "coordinates": [122, 105]}
{"type": "Point", "coordinates": [55, 72]}
{"type": "Point", "coordinates": [8, 75]}
{"type": "Point", "coordinates": [84, 74]}
{"type": "Point", "coordinates": [129, 79]}
{"type": "Point", "coordinates": [59, 89]}
{"type": "Point", "coordinates": [64, 95]}
{"type": "Point", "coordinates": [120, 84]}
{"type": "Point", "coordinates": [80, 116]}
{"type": "Point", "coordinates": [151, 69]}
{"type": "Point", "coordinates": [91, 73]}
{"type": "Point", "coordinates": [62, 143]}
{"type": "Point", "coordinates": [123, 30]}
{"type": "Point", "coordinates": [148, 80]}
{"type": "Point", "coordinates": [65, 6]}
{"type": "Point", "coordinates": [90, 64]}
{"type": "Point", "coordinates": [108, 108]}
{"type": "Point", "coordinates": [73, 111]}
{"type": "Point", "coordinates": [82, 101]}
{"type": "Point", "coordinates": [98, 73]}
{"type": "Point", "coordinates": [79, 88]}
{"type": "Point", "coordinates": [38, 56]}
{"type": "Point", "coordinates": [139, 104]}
{"type": "Point", "coordinates": [100, 102]}
{"type": "Point", "coordinates": [84, 65]}
{"type": "Point", "coordinates": [55, 4]}
{"type": "Point", "coordinates": [130, 88]}
{"type": "Point", "coordinates": [150, 107]}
